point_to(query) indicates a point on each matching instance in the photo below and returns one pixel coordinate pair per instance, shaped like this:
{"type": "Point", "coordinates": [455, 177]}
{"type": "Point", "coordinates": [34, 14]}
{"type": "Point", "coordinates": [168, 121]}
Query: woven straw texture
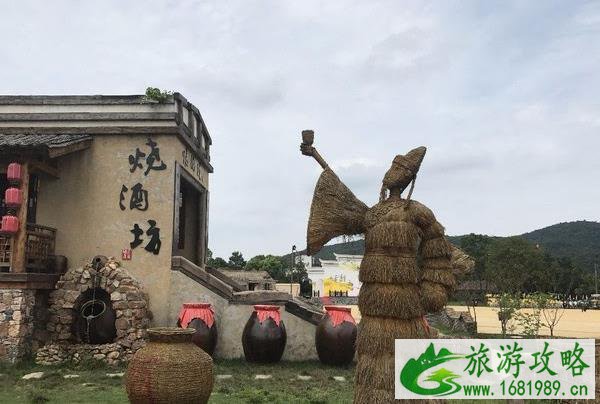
{"type": "Point", "coordinates": [170, 369]}
{"type": "Point", "coordinates": [334, 211]}
{"type": "Point", "coordinates": [406, 272]}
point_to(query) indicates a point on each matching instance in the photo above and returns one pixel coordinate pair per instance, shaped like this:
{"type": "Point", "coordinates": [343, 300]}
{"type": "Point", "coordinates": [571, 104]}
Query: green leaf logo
{"type": "Point", "coordinates": [410, 373]}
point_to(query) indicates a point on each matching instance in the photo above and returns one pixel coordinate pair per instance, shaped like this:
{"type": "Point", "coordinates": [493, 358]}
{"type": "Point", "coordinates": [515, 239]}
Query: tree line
{"type": "Point", "coordinates": [278, 268]}
{"type": "Point", "coordinates": [516, 266]}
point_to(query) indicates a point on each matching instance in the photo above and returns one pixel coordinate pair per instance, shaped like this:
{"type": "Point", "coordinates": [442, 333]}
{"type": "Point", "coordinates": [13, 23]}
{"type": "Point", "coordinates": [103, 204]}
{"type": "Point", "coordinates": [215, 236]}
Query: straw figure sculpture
{"type": "Point", "coordinates": [406, 270]}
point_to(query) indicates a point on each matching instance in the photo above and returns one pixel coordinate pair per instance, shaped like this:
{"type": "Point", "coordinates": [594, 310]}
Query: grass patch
{"type": "Point", "coordinates": [93, 386]}
{"type": "Point", "coordinates": [284, 386]}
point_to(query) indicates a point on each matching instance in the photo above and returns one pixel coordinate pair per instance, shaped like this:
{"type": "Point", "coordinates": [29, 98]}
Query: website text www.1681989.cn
{"type": "Point", "coordinates": [529, 388]}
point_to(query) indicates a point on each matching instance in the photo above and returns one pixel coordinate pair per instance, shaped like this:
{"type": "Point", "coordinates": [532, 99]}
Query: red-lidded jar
{"type": "Point", "coordinates": [201, 317]}
{"type": "Point", "coordinates": [264, 335]}
{"type": "Point", "coordinates": [335, 336]}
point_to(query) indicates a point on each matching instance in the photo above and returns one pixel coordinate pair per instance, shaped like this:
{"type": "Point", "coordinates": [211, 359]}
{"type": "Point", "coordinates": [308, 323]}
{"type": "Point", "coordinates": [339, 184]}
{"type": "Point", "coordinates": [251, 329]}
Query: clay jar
{"type": "Point", "coordinates": [335, 336]}
{"type": "Point", "coordinates": [200, 316]}
{"type": "Point", "coordinates": [264, 335]}
{"type": "Point", "coordinates": [169, 369]}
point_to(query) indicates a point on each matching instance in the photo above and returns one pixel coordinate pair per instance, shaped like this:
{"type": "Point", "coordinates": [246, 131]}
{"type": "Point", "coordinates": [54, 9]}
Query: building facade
{"type": "Point", "coordinates": [338, 277]}
{"type": "Point", "coordinates": [121, 176]}
{"type": "Point", "coordinates": [114, 176]}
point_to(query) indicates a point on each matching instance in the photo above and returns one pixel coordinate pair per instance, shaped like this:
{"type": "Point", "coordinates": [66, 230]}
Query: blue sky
{"type": "Point", "coordinates": [505, 95]}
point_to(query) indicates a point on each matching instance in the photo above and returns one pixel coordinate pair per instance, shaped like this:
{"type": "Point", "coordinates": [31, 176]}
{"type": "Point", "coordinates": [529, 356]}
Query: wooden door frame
{"type": "Point", "coordinates": [202, 241]}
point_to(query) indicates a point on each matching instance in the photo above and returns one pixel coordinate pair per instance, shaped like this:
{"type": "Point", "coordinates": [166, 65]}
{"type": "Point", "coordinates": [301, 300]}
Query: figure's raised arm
{"type": "Point", "coordinates": [307, 148]}
{"type": "Point", "coordinates": [335, 210]}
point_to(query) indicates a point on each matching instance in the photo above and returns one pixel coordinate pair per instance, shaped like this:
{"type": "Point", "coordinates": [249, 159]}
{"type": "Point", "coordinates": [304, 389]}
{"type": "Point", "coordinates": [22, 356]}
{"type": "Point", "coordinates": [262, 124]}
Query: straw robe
{"type": "Point", "coordinates": [406, 272]}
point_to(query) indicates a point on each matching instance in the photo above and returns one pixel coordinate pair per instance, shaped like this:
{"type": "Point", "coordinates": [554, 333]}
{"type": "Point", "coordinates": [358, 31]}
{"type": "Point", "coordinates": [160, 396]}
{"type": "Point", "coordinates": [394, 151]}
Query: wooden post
{"type": "Point", "coordinates": [19, 242]}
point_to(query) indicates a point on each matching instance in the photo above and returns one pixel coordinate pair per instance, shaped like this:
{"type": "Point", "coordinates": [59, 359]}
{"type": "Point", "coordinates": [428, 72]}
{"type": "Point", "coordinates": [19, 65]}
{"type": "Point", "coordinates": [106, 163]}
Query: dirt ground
{"type": "Point", "coordinates": [574, 322]}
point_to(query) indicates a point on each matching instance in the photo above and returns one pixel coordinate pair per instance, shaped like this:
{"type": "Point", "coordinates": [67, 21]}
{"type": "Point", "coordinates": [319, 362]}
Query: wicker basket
{"type": "Point", "coordinates": [170, 369]}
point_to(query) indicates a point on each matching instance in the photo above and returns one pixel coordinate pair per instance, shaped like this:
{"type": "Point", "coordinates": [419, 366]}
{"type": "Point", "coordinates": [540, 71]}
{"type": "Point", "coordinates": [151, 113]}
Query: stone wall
{"type": "Point", "coordinates": [128, 300]}
{"type": "Point", "coordinates": [16, 323]}
{"type": "Point", "coordinates": [453, 320]}
{"type": "Point", "coordinates": [112, 354]}
{"type": "Point", "coordinates": [41, 316]}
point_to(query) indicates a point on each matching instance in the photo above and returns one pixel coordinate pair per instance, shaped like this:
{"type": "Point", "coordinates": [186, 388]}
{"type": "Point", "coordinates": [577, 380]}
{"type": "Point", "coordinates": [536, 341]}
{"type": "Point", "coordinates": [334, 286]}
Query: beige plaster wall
{"type": "Point", "coordinates": [285, 287]}
{"type": "Point", "coordinates": [231, 319]}
{"type": "Point", "coordinates": [83, 205]}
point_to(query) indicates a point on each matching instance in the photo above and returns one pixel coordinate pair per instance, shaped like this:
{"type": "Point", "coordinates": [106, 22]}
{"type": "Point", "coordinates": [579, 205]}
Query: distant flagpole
{"type": "Point", "coordinates": [596, 276]}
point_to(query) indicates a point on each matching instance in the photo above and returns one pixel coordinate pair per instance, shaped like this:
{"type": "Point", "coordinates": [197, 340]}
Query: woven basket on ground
{"type": "Point", "coordinates": [170, 369]}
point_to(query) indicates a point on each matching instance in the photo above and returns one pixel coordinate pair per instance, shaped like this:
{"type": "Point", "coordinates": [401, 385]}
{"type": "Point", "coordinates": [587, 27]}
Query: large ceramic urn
{"type": "Point", "coordinates": [264, 335]}
{"type": "Point", "coordinates": [200, 317]}
{"type": "Point", "coordinates": [169, 369]}
{"type": "Point", "coordinates": [335, 336]}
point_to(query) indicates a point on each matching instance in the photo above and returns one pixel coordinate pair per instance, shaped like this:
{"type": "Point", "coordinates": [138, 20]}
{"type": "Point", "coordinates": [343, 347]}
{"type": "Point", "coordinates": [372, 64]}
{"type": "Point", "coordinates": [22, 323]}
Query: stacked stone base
{"type": "Point", "coordinates": [111, 354]}
{"type": "Point", "coordinates": [126, 295]}
{"type": "Point", "coordinates": [20, 323]}
{"type": "Point", "coordinates": [454, 320]}
{"type": "Point", "coordinates": [128, 300]}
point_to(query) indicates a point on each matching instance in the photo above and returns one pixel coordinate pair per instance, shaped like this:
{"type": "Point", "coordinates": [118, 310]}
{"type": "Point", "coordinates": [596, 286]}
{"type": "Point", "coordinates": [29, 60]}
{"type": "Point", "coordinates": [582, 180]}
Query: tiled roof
{"type": "Point", "coordinates": [40, 141]}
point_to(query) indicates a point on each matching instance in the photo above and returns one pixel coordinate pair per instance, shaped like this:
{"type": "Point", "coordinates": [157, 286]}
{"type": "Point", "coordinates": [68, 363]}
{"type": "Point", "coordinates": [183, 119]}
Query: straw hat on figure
{"type": "Point", "coordinates": [406, 270]}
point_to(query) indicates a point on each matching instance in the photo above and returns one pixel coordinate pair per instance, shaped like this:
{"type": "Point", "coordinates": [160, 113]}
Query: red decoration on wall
{"type": "Point", "coordinates": [339, 314]}
{"type": "Point", "coordinates": [13, 197]}
{"type": "Point", "coordinates": [202, 311]}
{"type": "Point", "coordinates": [10, 225]}
{"type": "Point", "coordinates": [14, 173]}
{"type": "Point", "coordinates": [264, 311]}
{"type": "Point", "coordinates": [126, 254]}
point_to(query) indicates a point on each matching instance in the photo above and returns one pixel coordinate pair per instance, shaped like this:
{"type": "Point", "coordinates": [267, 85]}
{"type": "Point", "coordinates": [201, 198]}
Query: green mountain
{"type": "Point", "coordinates": [578, 241]}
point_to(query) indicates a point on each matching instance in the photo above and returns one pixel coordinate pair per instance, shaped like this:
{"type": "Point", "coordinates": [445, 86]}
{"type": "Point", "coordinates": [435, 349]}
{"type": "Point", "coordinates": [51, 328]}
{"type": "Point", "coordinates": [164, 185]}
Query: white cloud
{"type": "Point", "coordinates": [504, 95]}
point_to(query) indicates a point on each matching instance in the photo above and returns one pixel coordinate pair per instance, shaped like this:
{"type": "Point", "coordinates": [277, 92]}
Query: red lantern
{"type": "Point", "coordinates": [10, 225]}
{"type": "Point", "coordinates": [13, 197]}
{"type": "Point", "coordinates": [14, 173]}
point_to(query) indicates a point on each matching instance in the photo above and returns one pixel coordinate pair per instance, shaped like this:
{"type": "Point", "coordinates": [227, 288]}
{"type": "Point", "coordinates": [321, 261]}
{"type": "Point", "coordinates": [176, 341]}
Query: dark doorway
{"type": "Point", "coordinates": [189, 230]}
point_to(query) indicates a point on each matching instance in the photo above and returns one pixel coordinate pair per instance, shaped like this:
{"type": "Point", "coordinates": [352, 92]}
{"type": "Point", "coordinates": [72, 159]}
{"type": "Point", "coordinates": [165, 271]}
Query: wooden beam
{"type": "Point", "coordinates": [54, 152]}
{"type": "Point", "coordinates": [45, 168]}
{"type": "Point", "coordinates": [19, 240]}
{"type": "Point", "coordinates": [28, 281]}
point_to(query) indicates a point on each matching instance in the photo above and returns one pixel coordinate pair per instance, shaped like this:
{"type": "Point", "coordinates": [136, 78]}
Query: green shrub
{"type": "Point", "coordinates": [156, 94]}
